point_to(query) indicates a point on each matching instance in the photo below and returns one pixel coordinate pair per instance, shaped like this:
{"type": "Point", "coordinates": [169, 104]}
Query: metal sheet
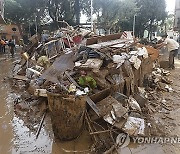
{"type": "Point", "coordinates": [61, 64]}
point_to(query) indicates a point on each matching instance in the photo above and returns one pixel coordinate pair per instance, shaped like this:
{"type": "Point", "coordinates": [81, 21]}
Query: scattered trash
{"type": "Point", "coordinates": [136, 61]}
{"type": "Point", "coordinates": [90, 63]}
{"type": "Point", "coordinates": [169, 88]}
{"type": "Point", "coordinates": [119, 60]}
{"type": "Point", "coordinates": [164, 101]}
{"type": "Point", "coordinates": [114, 76]}
{"type": "Point", "coordinates": [134, 126]}
{"type": "Point", "coordinates": [84, 92]}
{"type": "Point", "coordinates": [134, 104]}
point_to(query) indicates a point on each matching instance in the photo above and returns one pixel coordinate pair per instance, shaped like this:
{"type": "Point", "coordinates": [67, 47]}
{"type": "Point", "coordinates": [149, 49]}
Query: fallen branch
{"type": "Point", "coordinates": [90, 128]}
{"type": "Point", "coordinates": [168, 117]}
{"type": "Point", "coordinates": [105, 131]}
{"type": "Point", "coordinates": [167, 107]}
{"type": "Point", "coordinates": [41, 123]}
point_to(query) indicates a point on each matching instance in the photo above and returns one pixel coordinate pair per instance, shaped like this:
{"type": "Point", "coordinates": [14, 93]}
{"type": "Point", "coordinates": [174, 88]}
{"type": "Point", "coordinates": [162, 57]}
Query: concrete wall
{"type": "Point", "coordinates": [6, 31]}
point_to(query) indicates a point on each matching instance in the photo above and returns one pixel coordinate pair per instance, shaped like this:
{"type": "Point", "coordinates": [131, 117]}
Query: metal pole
{"type": "Point", "coordinates": [134, 24]}
{"type": "Point", "coordinates": [36, 24]}
{"type": "Point", "coordinates": [29, 29]}
{"type": "Point", "coordinates": [91, 15]}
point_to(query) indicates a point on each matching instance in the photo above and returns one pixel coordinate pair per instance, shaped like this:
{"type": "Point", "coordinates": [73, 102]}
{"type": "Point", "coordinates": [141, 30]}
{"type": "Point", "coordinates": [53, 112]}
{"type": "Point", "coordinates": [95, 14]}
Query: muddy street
{"type": "Point", "coordinates": [18, 128]}
{"type": "Point", "coordinates": [15, 136]}
{"type": "Point", "coordinates": [6, 114]}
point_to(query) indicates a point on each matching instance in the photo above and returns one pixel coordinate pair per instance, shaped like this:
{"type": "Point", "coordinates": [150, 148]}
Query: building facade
{"type": "Point", "coordinates": [10, 32]}
{"type": "Point", "coordinates": [177, 16]}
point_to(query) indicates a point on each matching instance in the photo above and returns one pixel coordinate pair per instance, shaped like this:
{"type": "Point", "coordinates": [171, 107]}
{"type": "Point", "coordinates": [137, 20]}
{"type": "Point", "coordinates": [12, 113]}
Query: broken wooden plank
{"type": "Point", "coordinates": [20, 77]}
{"type": "Point", "coordinates": [99, 96]}
{"type": "Point", "coordinates": [71, 79]}
{"type": "Point", "coordinates": [34, 71]}
{"type": "Point", "coordinates": [95, 40]}
{"type": "Point", "coordinates": [107, 44]}
{"type": "Point", "coordinates": [53, 57]}
{"type": "Point", "coordinates": [105, 131]}
{"type": "Point", "coordinates": [93, 105]}
{"type": "Point", "coordinates": [40, 92]}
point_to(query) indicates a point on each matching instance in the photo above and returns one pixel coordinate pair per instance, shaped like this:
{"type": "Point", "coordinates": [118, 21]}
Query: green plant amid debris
{"type": "Point", "coordinates": [87, 81]}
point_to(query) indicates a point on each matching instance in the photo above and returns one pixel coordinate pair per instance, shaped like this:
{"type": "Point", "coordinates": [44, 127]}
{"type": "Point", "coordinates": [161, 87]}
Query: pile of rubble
{"type": "Point", "coordinates": [118, 77]}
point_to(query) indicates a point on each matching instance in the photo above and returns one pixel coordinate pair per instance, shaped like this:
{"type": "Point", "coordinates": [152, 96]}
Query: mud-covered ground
{"type": "Point", "coordinates": [19, 124]}
{"type": "Point", "coordinates": [18, 128]}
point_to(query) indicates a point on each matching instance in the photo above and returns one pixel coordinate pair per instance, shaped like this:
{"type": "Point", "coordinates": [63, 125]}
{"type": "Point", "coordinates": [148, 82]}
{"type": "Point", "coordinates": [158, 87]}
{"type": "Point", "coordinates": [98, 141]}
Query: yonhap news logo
{"type": "Point", "coordinates": [124, 140]}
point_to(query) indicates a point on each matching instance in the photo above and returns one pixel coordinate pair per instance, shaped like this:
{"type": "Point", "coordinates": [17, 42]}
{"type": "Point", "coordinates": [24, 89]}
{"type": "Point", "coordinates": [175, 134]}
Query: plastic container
{"type": "Point", "coordinates": [67, 115]}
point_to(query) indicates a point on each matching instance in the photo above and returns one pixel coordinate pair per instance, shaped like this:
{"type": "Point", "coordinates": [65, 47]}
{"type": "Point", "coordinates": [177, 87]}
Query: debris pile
{"type": "Point", "coordinates": [117, 77]}
{"type": "Point", "coordinates": [159, 79]}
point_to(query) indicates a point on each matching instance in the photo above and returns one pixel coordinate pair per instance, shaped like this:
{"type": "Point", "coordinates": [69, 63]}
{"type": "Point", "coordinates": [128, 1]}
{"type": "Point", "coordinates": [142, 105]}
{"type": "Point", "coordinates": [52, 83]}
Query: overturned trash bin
{"type": "Point", "coordinates": [67, 115]}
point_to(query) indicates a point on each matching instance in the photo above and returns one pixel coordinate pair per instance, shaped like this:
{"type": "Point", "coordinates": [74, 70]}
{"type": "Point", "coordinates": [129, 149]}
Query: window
{"type": "Point", "coordinates": [14, 29]}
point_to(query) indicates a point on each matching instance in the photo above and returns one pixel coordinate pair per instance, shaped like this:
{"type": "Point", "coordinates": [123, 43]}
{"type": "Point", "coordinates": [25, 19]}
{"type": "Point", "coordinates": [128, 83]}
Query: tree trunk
{"type": "Point", "coordinates": [52, 13]}
{"type": "Point", "coordinates": [77, 11]}
{"type": "Point", "coordinates": [150, 30]}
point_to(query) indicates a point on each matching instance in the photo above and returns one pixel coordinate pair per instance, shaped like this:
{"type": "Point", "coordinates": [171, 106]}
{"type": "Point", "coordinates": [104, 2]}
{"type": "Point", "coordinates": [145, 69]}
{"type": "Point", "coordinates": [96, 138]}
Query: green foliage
{"type": "Point", "coordinates": [129, 9]}
{"type": "Point", "coordinates": [115, 15]}
{"type": "Point", "coordinates": [112, 15]}
{"type": "Point", "coordinates": [61, 9]}
{"type": "Point", "coordinates": [13, 11]}
{"type": "Point", "coordinates": [23, 11]}
{"type": "Point", "coordinates": [170, 22]}
{"type": "Point", "coordinates": [151, 12]}
{"type": "Point", "coordinates": [87, 81]}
